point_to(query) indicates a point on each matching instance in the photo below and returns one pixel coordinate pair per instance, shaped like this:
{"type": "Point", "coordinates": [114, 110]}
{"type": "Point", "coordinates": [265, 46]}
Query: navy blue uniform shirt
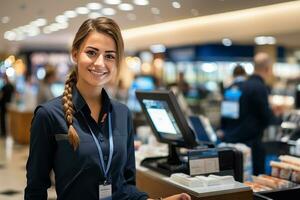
{"type": "Point", "coordinates": [78, 173]}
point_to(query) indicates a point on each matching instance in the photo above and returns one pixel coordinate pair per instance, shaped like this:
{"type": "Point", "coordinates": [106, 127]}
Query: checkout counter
{"type": "Point", "coordinates": [170, 126]}
{"type": "Point", "coordinates": [158, 185]}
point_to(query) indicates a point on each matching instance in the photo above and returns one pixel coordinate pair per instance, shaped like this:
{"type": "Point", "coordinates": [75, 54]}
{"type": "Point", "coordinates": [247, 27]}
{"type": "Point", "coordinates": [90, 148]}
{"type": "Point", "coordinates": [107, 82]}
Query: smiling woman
{"type": "Point", "coordinates": [84, 136]}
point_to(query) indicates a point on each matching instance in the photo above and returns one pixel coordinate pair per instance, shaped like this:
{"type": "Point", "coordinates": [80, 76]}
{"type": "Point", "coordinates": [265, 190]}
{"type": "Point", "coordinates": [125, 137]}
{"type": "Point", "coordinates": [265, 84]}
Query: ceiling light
{"type": "Point", "coordinates": [10, 35]}
{"type": "Point", "coordinates": [94, 6]}
{"type": "Point", "coordinates": [47, 30]}
{"type": "Point", "coordinates": [70, 14]}
{"type": "Point", "coordinates": [131, 16]}
{"type": "Point", "coordinates": [94, 15]}
{"type": "Point", "coordinates": [125, 7]}
{"type": "Point", "coordinates": [155, 11]}
{"type": "Point", "coordinates": [157, 48]}
{"type": "Point", "coordinates": [54, 27]}
{"type": "Point", "coordinates": [63, 25]}
{"type": "Point", "coordinates": [264, 40]}
{"type": "Point", "coordinates": [176, 4]}
{"type": "Point", "coordinates": [112, 2]}
{"type": "Point", "coordinates": [141, 2]}
{"type": "Point", "coordinates": [20, 36]}
{"type": "Point", "coordinates": [226, 42]}
{"type": "Point", "coordinates": [82, 10]}
{"type": "Point", "coordinates": [39, 22]}
{"type": "Point", "coordinates": [108, 11]}
{"type": "Point", "coordinates": [5, 19]}
{"type": "Point", "coordinates": [34, 31]}
{"type": "Point", "coordinates": [209, 67]}
{"type": "Point", "coordinates": [61, 18]}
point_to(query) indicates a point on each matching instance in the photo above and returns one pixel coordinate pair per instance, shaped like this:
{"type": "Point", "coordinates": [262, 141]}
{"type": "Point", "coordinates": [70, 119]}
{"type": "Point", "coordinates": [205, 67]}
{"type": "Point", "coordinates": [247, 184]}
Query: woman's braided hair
{"type": "Point", "coordinates": [101, 25]}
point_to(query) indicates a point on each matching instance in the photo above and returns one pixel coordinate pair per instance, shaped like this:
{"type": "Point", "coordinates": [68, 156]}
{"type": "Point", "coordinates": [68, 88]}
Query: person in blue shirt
{"type": "Point", "coordinates": [231, 99]}
{"type": "Point", "coordinates": [83, 135]}
{"type": "Point", "coordinates": [254, 113]}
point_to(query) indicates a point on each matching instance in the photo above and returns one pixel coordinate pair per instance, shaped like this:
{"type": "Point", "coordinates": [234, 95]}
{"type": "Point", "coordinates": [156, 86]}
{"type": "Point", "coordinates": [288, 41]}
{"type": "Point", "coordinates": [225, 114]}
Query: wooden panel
{"type": "Point", "coordinates": [19, 125]}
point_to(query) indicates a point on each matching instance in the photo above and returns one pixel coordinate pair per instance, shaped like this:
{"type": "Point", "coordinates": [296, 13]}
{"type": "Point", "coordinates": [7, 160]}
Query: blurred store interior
{"type": "Point", "coordinates": [201, 40]}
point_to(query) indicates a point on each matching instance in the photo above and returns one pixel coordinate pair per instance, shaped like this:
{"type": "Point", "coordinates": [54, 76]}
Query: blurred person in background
{"type": "Point", "coordinates": [253, 113]}
{"type": "Point", "coordinates": [83, 135]}
{"type": "Point", "coordinates": [44, 93]}
{"type": "Point", "coordinates": [5, 98]}
{"type": "Point", "coordinates": [182, 84]}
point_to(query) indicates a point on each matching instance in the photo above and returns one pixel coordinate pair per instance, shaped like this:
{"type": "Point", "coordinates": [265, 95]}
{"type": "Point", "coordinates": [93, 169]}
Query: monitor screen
{"type": "Point", "coordinates": [166, 118]}
{"type": "Point", "coordinates": [162, 118]}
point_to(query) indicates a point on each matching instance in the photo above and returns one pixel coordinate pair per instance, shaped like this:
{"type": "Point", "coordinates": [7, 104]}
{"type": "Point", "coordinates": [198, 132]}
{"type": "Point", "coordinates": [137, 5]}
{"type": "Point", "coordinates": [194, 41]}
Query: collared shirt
{"type": "Point", "coordinates": [78, 173]}
{"type": "Point", "coordinates": [255, 112]}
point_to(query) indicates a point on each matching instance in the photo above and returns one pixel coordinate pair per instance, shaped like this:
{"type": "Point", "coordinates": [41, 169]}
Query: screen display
{"type": "Point", "coordinates": [162, 119]}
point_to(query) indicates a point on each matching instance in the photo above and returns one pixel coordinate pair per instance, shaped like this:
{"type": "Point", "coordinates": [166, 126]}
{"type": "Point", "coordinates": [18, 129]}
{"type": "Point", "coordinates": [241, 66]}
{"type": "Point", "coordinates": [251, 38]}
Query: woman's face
{"type": "Point", "coordinates": [96, 60]}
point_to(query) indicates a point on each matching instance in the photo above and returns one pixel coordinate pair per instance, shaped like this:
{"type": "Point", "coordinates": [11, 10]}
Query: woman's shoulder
{"type": "Point", "coordinates": [51, 107]}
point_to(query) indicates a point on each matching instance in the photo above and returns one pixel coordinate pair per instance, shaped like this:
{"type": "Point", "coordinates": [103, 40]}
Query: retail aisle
{"type": "Point", "coordinates": [13, 159]}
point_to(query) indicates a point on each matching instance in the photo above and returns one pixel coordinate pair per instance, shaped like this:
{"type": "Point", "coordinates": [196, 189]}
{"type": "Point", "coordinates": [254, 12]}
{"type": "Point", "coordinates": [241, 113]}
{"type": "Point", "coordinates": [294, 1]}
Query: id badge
{"type": "Point", "coordinates": [105, 192]}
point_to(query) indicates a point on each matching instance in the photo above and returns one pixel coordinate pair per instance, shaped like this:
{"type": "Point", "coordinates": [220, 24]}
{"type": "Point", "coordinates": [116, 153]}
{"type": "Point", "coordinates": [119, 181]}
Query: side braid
{"type": "Point", "coordinates": [68, 109]}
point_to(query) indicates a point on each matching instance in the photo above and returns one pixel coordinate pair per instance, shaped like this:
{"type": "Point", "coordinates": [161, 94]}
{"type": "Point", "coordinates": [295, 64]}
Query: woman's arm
{"type": "Point", "coordinates": [40, 160]}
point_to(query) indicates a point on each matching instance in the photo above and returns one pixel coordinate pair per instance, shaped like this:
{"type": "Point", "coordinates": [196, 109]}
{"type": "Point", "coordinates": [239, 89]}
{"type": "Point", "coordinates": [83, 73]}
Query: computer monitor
{"type": "Point", "coordinates": [166, 118]}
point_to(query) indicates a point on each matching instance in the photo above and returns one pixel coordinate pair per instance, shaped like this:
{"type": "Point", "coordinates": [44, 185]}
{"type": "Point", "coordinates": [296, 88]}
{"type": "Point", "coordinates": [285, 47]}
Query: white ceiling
{"type": "Point", "coordinates": [280, 21]}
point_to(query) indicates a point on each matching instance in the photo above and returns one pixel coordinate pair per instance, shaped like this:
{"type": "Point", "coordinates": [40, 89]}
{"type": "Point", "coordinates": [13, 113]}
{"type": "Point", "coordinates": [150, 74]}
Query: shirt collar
{"type": "Point", "coordinates": [81, 105]}
{"type": "Point", "coordinates": [258, 77]}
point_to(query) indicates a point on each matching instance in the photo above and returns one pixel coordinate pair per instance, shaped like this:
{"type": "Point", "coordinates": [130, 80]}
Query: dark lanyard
{"type": "Point", "coordinates": [111, 146]}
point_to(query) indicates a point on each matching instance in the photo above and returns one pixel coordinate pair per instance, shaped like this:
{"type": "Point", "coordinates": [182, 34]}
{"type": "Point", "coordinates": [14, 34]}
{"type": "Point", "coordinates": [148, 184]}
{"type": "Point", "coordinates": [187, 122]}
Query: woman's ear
{"type": "Point", "coordinates": [74, 56]}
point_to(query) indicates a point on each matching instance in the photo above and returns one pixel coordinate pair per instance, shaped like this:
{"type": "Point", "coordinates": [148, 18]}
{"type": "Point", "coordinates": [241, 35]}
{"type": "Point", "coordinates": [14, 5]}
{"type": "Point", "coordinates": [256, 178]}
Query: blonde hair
{"type": "Point", "coordinates": [100, 25]}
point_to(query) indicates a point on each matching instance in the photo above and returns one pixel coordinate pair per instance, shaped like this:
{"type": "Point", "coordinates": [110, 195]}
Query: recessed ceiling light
{"type": "Point", "coordinates": [94, 6]}
{"type": "Point", "coordinates": [125, 7]}
{"type": "Point", "coordinates": [112, 2]}
{"type": "Point", "coordinates": [264, 40]}
{"type": "Point", "coordinates": [10, 35]}
{"type": "Point", "coordinates": [155, 11]}
{"type": "Point", "coordinates": [61, 18]}
{"type": "Point", "coordinates": [63, 25]}
{"type": "Point", "coordinates": [33, 31]}
{"type": "Point", "coordinates": [39, 22]}
{"type": "Point", "coordinates": [94, 15]}
{"type": "Point", "coordinates": [108, 11]}
{"type": "Point", "coordinates": [47, 30]}
{"type": "Point", "coordinates": [5, 19]}
{"type": "Point", "coordinates": [82, 10]}
{"type": "Point", "coordinates": [54, 27]}
{"type": "Point", "coordinates": [70, 14]}
{"type": "Point", "coordinates": [141, 2]}
{"type": "Point", "coordinates": [176, 4]}
{"type": "Point", "coordinates": [226, 42]}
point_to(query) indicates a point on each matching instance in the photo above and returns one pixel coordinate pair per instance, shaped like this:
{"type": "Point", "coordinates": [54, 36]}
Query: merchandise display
{"type": "Point", "coordinates": [284, 177]}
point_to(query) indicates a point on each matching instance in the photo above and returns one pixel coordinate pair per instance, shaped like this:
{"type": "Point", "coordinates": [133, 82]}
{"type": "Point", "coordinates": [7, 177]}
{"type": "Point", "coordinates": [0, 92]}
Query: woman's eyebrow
{"type": "Point", "coordinates": [92, 48]}
{"type": "Point", "coordinates": [110, 51]}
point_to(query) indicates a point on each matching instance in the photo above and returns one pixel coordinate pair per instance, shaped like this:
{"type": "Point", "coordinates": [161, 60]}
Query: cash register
{"type": "Point", "coordinates": [170, 126]}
